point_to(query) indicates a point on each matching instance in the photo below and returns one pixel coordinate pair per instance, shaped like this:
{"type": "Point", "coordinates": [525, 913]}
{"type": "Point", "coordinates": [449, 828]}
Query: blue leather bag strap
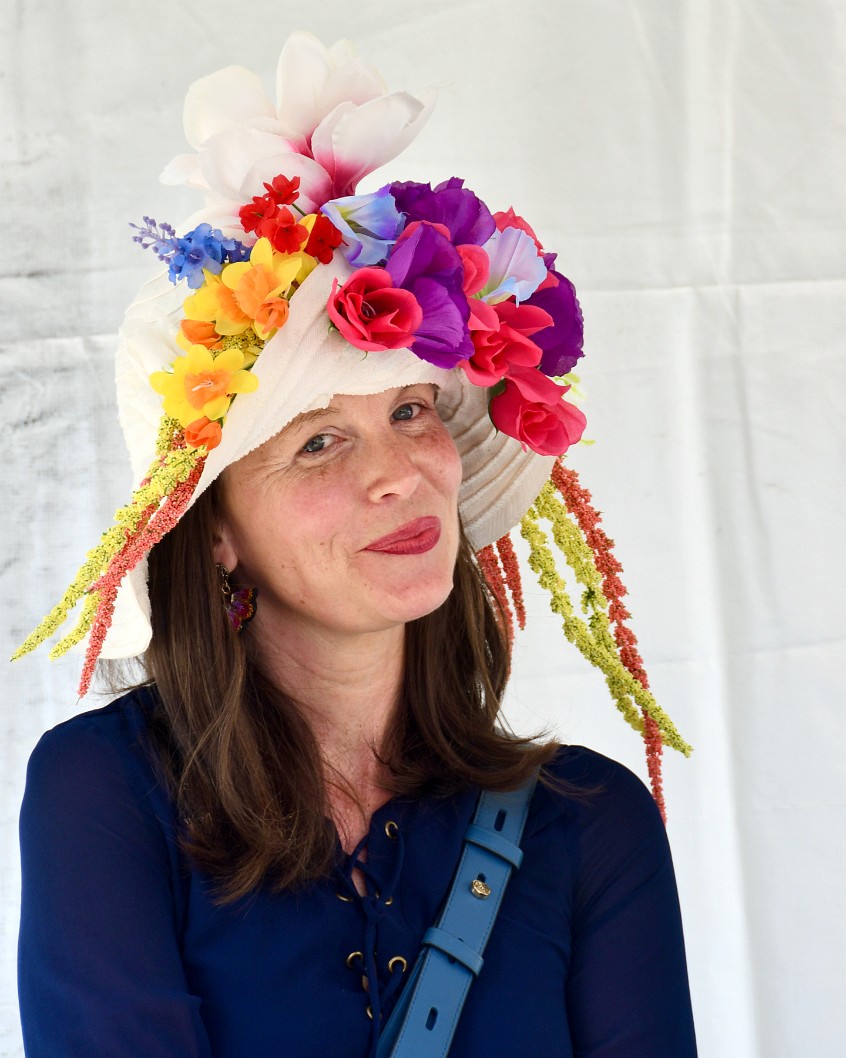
{"type": "Point", "coordinates": [424, 1020]}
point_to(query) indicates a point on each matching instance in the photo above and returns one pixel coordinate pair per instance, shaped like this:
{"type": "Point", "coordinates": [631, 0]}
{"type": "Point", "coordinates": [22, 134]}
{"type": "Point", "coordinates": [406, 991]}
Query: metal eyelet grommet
{"type": "Point", "coordinates": [343, 896]}
{"type": "Point", "coordinates": [397, 960]}
{"type": "Point", "coordinates": [370, 1012]}
{"type": "Point", "coordinates": [391, 829]}
{"type": "Point", "coordinates": [480, 889]}
{"type": "Point", "coordinates": [389, 901]}
{"type": "Point", "coordinates": [353, 957]}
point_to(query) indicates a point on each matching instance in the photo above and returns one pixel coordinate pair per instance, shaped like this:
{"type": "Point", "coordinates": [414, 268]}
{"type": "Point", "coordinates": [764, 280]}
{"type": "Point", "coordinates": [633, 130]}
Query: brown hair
{"type": "Point", "coordinates": [242, 762]}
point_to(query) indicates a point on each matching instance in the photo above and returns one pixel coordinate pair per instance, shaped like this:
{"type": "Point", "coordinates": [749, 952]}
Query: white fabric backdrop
{"type": "Point", "coordinates": [686, 160]}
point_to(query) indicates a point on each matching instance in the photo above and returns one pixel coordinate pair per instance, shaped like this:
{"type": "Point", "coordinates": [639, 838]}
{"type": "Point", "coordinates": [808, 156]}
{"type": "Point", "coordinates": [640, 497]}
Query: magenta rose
{"type": "Point", "coordinates": [531, 409]}
{"type": "Point", "coordinates": [371, 313]}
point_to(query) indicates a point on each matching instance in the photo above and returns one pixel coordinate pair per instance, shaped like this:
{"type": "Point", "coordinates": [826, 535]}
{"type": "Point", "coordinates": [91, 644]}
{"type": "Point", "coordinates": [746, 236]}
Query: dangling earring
{"type": "Point", "coordinates": [239, 603]}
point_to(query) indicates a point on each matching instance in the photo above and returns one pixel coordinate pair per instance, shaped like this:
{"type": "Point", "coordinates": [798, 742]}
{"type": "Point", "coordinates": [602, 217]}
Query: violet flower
{"type": "Point", "coordinates": [561, 344]}
{"type": "Point", "coordinates": [466, 217]}
{"type": "Point", "coordinates": [428, 265]}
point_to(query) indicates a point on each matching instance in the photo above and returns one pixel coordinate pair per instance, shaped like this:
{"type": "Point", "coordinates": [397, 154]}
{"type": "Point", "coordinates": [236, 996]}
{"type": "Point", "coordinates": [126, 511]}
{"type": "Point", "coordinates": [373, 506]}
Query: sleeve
{"type": "Point", "coordinates": [100, 973]}
{"type": "Point", "coordinates": [627, 992]}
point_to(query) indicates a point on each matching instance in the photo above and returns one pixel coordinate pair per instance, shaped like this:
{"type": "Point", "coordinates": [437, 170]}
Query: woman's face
{"type": "Point", "coordinates": [347, 520]}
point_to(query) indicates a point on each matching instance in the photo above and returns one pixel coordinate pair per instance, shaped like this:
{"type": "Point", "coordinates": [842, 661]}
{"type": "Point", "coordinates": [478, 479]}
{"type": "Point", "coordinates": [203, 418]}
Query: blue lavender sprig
{"type": "Point", "coordinates": [160, 238]}
{"type": "Point", "coordinates": [203, 249]}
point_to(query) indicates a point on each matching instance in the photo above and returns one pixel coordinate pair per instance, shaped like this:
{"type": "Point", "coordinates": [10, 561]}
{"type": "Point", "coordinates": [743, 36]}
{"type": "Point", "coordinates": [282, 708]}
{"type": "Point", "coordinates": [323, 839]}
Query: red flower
{"type": "Point", "coordinates": [510, 219]}
{"type": "Point", "coordinates": [373, 314]}
{"type": "Point", "coordinates": [530, 408]}
{"type": "Point", "coordinates": [261, 208]}
{"type": "Point", "coordinates": [283, 230]}
{"type": "Point", "coordinates": [283, 191]}
{"type": "Point", "coordinates": [501, 339]}
{"type": "Point", "coordinates": [324, 239]}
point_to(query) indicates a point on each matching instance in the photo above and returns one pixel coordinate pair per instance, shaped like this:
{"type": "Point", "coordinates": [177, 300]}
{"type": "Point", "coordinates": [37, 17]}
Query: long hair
{"type": "Point", "coordinates": [239, 757]}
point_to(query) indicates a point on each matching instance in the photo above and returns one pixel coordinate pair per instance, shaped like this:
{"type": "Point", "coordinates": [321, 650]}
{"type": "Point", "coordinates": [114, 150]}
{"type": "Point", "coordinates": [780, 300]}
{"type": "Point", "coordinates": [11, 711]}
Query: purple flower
{"type": "Point", "coordinates": [561, 344]}
{"type": "Point", "coordinates": [369, 224]}
{"type": "Point", "coordinates": [202, 249]}
{"type": "Point", "coordinates": [466, 217]}
{"type": "Point", "coordinates": [428, 265]}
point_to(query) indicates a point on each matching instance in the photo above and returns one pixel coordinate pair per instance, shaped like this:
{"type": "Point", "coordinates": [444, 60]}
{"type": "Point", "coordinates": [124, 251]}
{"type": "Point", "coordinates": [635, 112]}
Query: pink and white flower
{"type": "Point", "coordinates": [333, 123]}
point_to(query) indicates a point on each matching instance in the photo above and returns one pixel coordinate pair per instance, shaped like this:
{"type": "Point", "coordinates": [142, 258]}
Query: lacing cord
{"type": "Point", "coordinates": [373, 903]}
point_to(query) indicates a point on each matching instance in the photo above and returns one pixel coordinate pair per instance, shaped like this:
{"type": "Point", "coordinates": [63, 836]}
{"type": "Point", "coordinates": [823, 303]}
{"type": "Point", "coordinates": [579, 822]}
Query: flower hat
{"type": "Point", "coordinates": [287, 288]}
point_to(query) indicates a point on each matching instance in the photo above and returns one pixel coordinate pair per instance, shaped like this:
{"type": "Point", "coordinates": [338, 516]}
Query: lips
{"type": "Point", "coordinates": [413, 538]}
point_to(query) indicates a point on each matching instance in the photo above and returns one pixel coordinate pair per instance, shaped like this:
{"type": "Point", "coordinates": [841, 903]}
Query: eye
{"type": "Point", "coordinates": [319, 443]}
{"type": "Point", "coordinates": [407, 411]}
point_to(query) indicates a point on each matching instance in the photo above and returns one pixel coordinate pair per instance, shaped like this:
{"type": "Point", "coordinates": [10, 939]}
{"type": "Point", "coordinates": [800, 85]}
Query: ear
{"type": "Point", "coordinates": [224, 550]}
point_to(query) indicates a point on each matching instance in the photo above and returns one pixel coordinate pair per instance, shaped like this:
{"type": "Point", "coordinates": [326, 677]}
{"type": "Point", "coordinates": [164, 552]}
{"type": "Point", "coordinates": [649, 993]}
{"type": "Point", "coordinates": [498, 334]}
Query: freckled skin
{"type": "Point", "coordinates": [302, 508]}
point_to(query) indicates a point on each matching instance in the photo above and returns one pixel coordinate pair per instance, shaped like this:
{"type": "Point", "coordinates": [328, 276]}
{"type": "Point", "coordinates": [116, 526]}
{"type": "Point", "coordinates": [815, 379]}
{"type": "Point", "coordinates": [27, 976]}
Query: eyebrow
{"type": "Point", "coordinates": [308, 416]}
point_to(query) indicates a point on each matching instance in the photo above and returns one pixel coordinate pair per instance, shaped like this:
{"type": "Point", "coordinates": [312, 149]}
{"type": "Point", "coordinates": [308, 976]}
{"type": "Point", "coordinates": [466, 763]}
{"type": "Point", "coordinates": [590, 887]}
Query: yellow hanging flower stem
{"type": "Point", "coordinates": [571, 543]}
{"type": "Point", "coordinates": [170, 469]}
{"type": "Point", "coordinates": [594, 639]}
{"type": "Point", "coordinates": [89, 608]}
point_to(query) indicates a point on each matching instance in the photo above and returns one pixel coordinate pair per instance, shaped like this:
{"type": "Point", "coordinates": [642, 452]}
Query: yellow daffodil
{"type": "Point", "coordinates": [201, 384]}
{"type": "Point", "coordinates": [215, 303]}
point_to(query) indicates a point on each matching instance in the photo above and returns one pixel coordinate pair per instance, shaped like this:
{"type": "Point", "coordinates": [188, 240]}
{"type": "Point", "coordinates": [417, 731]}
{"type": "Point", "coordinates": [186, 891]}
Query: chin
{"type": "Point", "coordinates": [417, 598]}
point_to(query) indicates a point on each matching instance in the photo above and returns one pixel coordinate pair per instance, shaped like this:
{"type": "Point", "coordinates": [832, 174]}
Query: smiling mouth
{"type": "Point", "coordinates": [414, 538]}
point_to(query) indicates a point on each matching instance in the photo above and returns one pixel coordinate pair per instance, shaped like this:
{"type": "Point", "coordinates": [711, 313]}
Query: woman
{"type": "Point", "coordinates": [244, 855]}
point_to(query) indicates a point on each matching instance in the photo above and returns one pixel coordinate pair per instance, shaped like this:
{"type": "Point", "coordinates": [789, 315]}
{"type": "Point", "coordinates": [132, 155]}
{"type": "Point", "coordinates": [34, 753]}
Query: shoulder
{"type": "Point", "coordinates": [93, 762]}
{"type": "Point", "coordinates": [583, 784]}
{"type": "Point", "coordinates": [597, 816]}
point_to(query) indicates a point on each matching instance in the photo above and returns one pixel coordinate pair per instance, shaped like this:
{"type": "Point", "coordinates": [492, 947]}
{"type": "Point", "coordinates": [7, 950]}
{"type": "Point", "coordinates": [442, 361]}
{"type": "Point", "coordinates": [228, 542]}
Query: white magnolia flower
{"type": "Point", "coordinates": [334, 122]}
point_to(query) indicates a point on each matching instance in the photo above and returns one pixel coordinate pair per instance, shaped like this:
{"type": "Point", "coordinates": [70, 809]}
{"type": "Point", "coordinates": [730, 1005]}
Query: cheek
{"type": "Point", "coordinates": [447, 463]}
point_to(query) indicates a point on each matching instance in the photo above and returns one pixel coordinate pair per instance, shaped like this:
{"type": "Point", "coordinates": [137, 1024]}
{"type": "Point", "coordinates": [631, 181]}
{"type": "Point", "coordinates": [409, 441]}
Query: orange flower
{"type": "Point", "coordinates": [253, 289]}
{"type": "Point", "coordinates": [271, 314]}
{"type": "Point", "coordinates": [232, 311]}
{"type": "Point", "coordinates": [203, 431]}
{"type": "Point", "coordinates": [199, 332]}
{"type": "Point", "coordinates": [207, 386]}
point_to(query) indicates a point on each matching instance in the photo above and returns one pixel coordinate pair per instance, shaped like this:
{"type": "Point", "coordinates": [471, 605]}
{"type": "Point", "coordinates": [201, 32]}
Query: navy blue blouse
{"type": "Point", "coordinates": [123, 952]}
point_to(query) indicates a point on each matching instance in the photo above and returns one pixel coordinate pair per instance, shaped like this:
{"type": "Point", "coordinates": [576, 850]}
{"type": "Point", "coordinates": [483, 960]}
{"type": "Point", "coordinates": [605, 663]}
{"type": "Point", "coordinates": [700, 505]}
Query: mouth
{"type": "Point", "coordinates": [413, 538]}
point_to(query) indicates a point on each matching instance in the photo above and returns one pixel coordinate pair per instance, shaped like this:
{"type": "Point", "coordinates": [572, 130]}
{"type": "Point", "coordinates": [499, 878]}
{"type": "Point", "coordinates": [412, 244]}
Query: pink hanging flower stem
{"type": "Point", "coordinates": [510, 565]}
{"type": "Point", "coordinates": [578, 501]}
{"type": "Point", "coordinates": [493, 574]}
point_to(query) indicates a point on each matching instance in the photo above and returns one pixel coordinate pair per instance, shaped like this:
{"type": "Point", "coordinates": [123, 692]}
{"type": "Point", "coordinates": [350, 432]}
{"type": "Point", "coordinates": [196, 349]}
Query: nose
{"type": "Point", "coordinates": [390, 468]}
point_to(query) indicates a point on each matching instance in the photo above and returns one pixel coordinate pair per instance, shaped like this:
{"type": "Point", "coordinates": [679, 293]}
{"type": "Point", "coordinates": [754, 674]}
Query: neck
{"type": "Point", "coordinates": [348, 687]}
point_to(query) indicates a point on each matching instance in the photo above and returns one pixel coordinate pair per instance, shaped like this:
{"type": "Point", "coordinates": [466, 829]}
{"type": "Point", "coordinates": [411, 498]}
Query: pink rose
{"type": "Point", "coordinates": [476, 265]}
{"type": "Point", "coordinates": [501, 339]}
{"type": "Point", "coordinates": [530, 408]}
{"type": "Point", "coordinates": [371, 313]}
